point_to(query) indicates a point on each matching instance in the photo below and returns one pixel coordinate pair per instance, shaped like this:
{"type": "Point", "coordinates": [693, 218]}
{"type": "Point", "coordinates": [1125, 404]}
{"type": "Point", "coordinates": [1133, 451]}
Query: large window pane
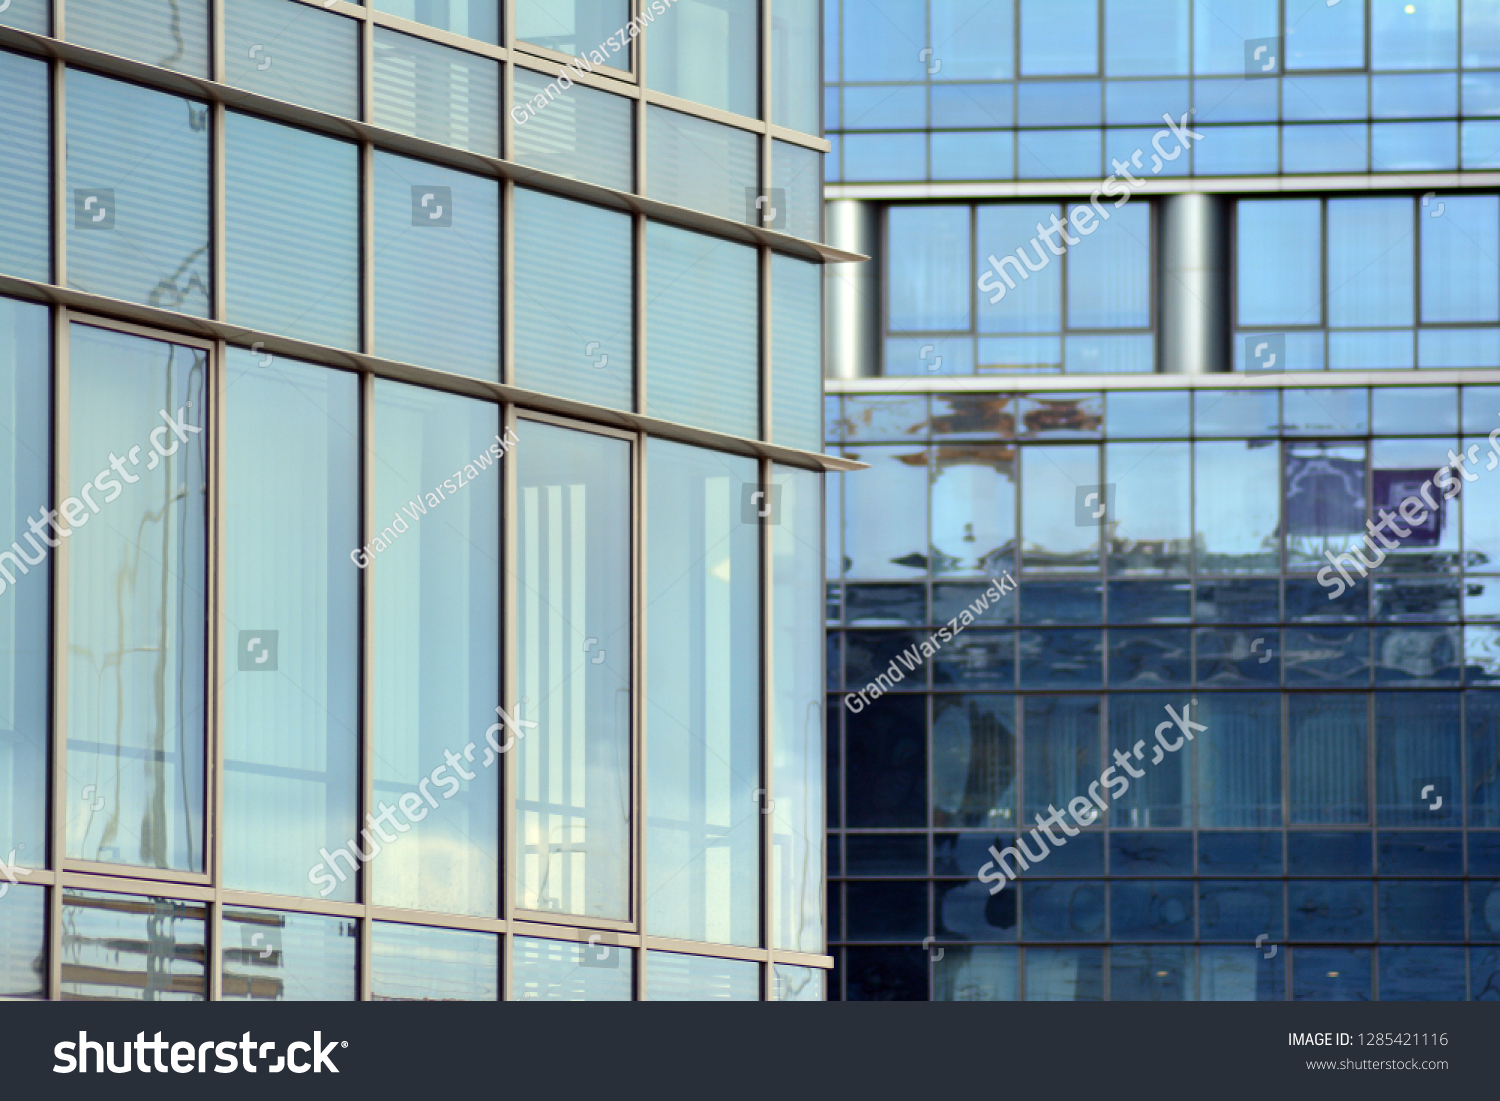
{"type": "Point", "coordinates": [577, 27]}
{"type": "Point", "coordinates": [292, 267]}
{"type": "Point", "coordinates": [1060, 523]}
{"type": "Point", "coordinates": [572, 338]}
{"type": "Point", "coordinates": [672, 977]}
{"type": "Point", "coordinates": [1027, 302]}
{"type": "Point", "coordinates": [1221, 28]}
{"type": "Point", "coordinates": [294, 52]}
{"type": "Point", "coordinates": [170, 33]}
{"type": "Point", "coordinates": [436, 92]}
{"type": "Point", "coordinates": [975, 39]}
{"type": "Point", "coordinates": [573, 617]}
{"type": "Point", "coordinates": [974, 765]}
{"type": "Point", "coordinates": [795, 72]}
{"type": "Point", "coordinates": [291, 618]}
{"type": "Point", "coordinates": [703, 677]}
{"type": "Point", "coordinates": [1145, 37]}
{"type": "Point", "coordinates": [25, 247]}
{"type": "Point", "coordinates": [1059, 37]}
{"type": "Point", "coordinates": [585, 133]}
{"type": "Point", "coordinates": [25, 460]}
{"type": "Point", "coordinates": [1327, 739]}
{"type": "Point", "coordinates": [702, 165]}
{"type": "Point", "coordinates": [928, 268]}
{"type": "Point", "coordinates": [703, 320]}
{"type": "Point", "coordinates": [413, 963]}
{"type": "Point", "coordinates": [133, 948]}
{"type": "Point", "coordinates": [796, 353]}
{"type": "Point", "coordinates": [472, 18]}
{"type": "Point", "coordinates": [707, 51]}
{"type": "Point", "coordinates": [272, 956]}
{"type": "Point", "coordinates": [1369, 262]}
{"type": "Point", "coordinates": [1279, 262]}
{"type": "Point", "coordinates": [1239, 760]}
{"type": "Point", "coordinates": [1061, 735]}
{"type": "Point", "coordinates": [973, 509]}
{"type": "Point", "coordinates": [567, 971]}
{"type": "Point", "coordinates": [136, 600]}
{"type": "Point", "coordinates": [797, 703]}
{"type": "Point", "coordinates": [1418, 758]}
{"type": "Point", "coordinates": [1109, 279]}
{"type": "Point", "coordinates": [1325, 505]}
{"type": "Point", "coordinates": [1413, 36]}
{"type": "Point", "coordinates": [138, 171]}
{"type": "Point", "coordinates": [1150, 531]}
{"type": "Point", "coordinates": [894, 485]}
{"type": "Point", "coordinates": [1320, 35]}
{"type": "Point", "coordinates": [23, 942]}
{"type": "Point", "coordinates": [427, 220]}
{"type": "Point", "coordinates": [797, 174]}
{"type": "Point", "coordinates": [436, 652]}
{"type": "Point", "coordinates": [1460, 273]}
{"type": "Point", "coordinates": [1237, 532]}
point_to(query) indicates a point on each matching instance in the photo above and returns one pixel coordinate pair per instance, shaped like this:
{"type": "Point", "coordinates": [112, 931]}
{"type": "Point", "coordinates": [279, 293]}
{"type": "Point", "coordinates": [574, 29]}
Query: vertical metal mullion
{"type": "Point", "coordinates": [58, 824]}
{"type": "Point", "coordinates": [510, 690]}
{"type": "Point", "coordinates": [638, 705]}
{"type": "Point", "coordinates": [366, 685]}
{"type": "Point", "coordinates": [214, 422]}
{"type": "Point", "coordinates": [767, 746]}
{"type": "Point", "coordinates": [216, 64]}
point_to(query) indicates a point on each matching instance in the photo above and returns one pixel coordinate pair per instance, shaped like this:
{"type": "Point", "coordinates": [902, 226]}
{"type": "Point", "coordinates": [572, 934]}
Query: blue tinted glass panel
{"type": "Point", "coordinates": [1150, 852]}
{"type": "Point", "coordinates": [1059, 37]}
{"type": "Point", "coordinates": [25, 247]}
{"type": "Point", "coordinates": [1057, 154]}
{"type": "Point", "coordinates": [573, 339]}
{"type": "Point", "coordinates": [703, 588]}
{"type": "Point", "coordinates": [886, 910]}
{"type": "Point", "coordinates": [564, 971]}
{"type": "Point", "coordinates": [1062, 749]}
{"type": "Point", "coordinates": [1328, 735]}
{"type": "Point", "coordinates": [1235, 100]}
{"type": "Point", "coordinates": [928, 266]}
{"type": "Point", "coordinates": [1325, 852]}
{"type": "Point", "coordinates": [797, 173]}
{"type": "Point", "coordinates": [874, 549]}
{"type": "Point", "coordinates": [1060, 909]}
{"type": "Point", "coordinates": [1331, 975]}
{"type": "Point", "coordinates": [981, 973]}
{"type": "Point", "coordinates": [1330, 909]}
{"type": "Point", "coordinates": [1222, 27]}
{"type": "Point", "coordinates": [1370, 244]}
{"type": "Point", "coordinates": [1336, 147]}
{"type": "Point", "coordinates": [883, 47]}
{"type": "Point", "coordinates": [1413, 36]}
{"type": "Point", "coordinates": [1414, 910]}
{"type": "Point", "coordinates": [133, 948]}
{"type": "Point", "coordinates": [1109, 284]}
{"type": "Point", "coordinates": [25, 451]}
{"type": "Point", "coordinates": [436, 650]}
{"type": "Point", "coordinates": [291, 267]}
{"type": "Point", "coordinates": [580, 27]}
{"type": "Point", "coordinates": [437, 93]}
{"type": "Point", "coordinates": [1158, 909]}
{"type": "Point", "coordinates": [884, 157]}
{"type": "Point", "coordinates": [1421, 95]}
{"type": "Point", "coordinates": [1058, 103]}
{"type": "Point", "coordinates": [974, 771]}
{"type": "Point", "coordinates": [983, 155]}
{"type": "Point", "coordinates": [1138, 973]}
{"type": "Point", "coordinates": [1417, 769]}
{"type": "Point", "coordinates": [977, 105]}
{"type": "Point", "coordinates": [974, 39]}
{"type": "Point", "coordinates": [472, 18]}
{"type": "Point", "coordinates": [1409, 852]}
{"type": "Point", "coordinates": [1163, 796]}
{"type": "Point", "coordinates": [586, 134]}
{"type": "Point", "coordinates": [1145, 101]}
{"type": "Point", "coordinates": [701, 295]}
{"type": "Point", "coordinates": [796, 352]}
{"type": "Point", "coordinates": [795, 72]}
{"type": "Point", "coordinates": [294, 52]}
{"type": "Point", "coordinates": [1241, 150]}
{"type": "Point", "coordinates": [672, 977]}
{"type": "Point", "coordinates": [1324, 36]}
{"type": "Point", "coordinates": [137, 648]}
{"type": "Point", "coordinates": [1422, 975]}
{"type": "Point", "coordinates": [1482, 720]}
{"type": "Point", "coordinates": [23, 942]}
{"type": "Point", "coordinates": [703, 165]}
{"type": "Point", "coordinates": [1240, 852]}
{"type": "Point", "coordinates": [1460, 274]}
{"type": "Point", "coordinates": [139, 226]}
{"type": "Point", "coordinates": [1240, 975]}
{"type": "Point", "coordinates": [1145, 39]}
{"type": "Point", "coordinates": [886, 771]}
{"type": "Point", "coordinates": [885, 106]}
{"type": "Point", "coordinates": [1279, 269]}
{"type": "Point", "coordinates": [291, 767]}
{"type": "Point", "coordinates": [28, 15]}
{"type": "Point", "coordinates": [1064, 975]}
{"type": "Point", "coordinates": [413, 963]}
{"type": "Point", "coordinates": [170, 33]}
{"type": "Point", "coordinates": [1414, 146]}
{"type": "Point", "coordinates": [1012, 298]}
{"type": "Point", "coordinates": [431, 219]}
{"type": "Point", "coordinates": [707, 51]}
{"type": "Point", "coordinates": [273, 956]}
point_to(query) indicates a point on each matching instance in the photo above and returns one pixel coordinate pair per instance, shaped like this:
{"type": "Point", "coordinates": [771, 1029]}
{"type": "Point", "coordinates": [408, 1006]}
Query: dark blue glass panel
{"type": "Point", "coordinates": [886, 910]}
{"type": "Point", "coordinates": [886, 854]}
{"type": "Point", "coordinates": [1331, 909]}
{"type": "Point", "coordinates": [1240, 975]}
{"type": "Point", "coordinates": [1161, 797]}
{"type": "Point", "coordinates": [1405, 599]}
{"type": "Point", "coordinates": [1150, 601]}
{"type": "Point", "coordinates": [832, 660]}
{"type": "Point", "coordinates": [1484, 974]}
{"type": "Point", "coordinates": [835, 911]}
{"type": "Point", "coordinates": [967, 911]}
{"type": "Point", "coordinates": [1061, 736]}
{"type": "Point", "coordinates": [1062, 910]}
{"type": "Point", "coordinates": [1055, 602]}
{"type": "Point", "coordinates": [1082, 855]}
{"type": "Point", "coordinates": [1484, 853]}
{"type": "Point", "coordinates": [1158, 909]}
{"type": "Point", "coordinates": [1324, 853]}
{"type": "Point", "coordinates": [834, 772]}
{"type": "Point", "coordinates": [871, 654]}
{"type": "Point", "coordinates": [950, 599]}
{"type": "Point", "coordinates": [833, 854]}
{"type": "Point", "coordinates": [1239, 853]}
{"type": "Point", "coordinates": [1422, 974]}
{"type": "Point", "coordinates": [885, 605]}
{"type": "Point", "coordinates": [974, 762]}
{"type": "Point", "coordinates": [1329, 657]}
{"type": "Point", "coordinates": [886, 975]}
{"type": "Point", "coordinates": [1417, 758]}
{"type": "Point", "coordinates": [1239, 601]}
{"type": "Point", "coordinates": [1158, 973]}
{"type": "Point", "coordinates": [1482, 719]}
{"type": "Point", "coordinates": [960, 854]}
{"type": "Point", "coordinates": [976, 660]}
{"type": "Point", "coordinates": [1418, 655]}
{"type": "Point", "coordinates": [1412, 853]}
{"type": "Point", "coordinates": [1149, 658]}
{"type": "Point", "coordinates": [1421, 910]}
{"type": "Point", "coordinates": [886, 775]}
{"type": "Point", "coordinates": [1327, 737]}
{"type": "Point", "coordinates": [1246, 658]}
{"type": "Point", "coordinates": [1064, 975]}
{"type": "Point", "coordinates": [1239, 910]}
{"type": "Point", "coordinates": [1061, 658]}
{"type": "Point", "coordinates": [1159, 852]}
{"type": "Point", "coordinates": [1331, 975]}
{"type": "Point", "coordinates": [1484, 910]}
{"type": "Point", "coordinates": [1308, 601]}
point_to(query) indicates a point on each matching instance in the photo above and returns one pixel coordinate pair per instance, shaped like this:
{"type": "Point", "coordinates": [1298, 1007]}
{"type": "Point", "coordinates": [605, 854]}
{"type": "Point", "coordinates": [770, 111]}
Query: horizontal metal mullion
{"type": "Point", "coordinates": [152, 888]}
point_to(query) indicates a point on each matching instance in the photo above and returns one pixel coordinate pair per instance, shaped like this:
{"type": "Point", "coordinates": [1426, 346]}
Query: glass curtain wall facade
{"type": "Point", "coordinates": [1142, 684]}
{"type": "Point", "coordinates": [411, 501]}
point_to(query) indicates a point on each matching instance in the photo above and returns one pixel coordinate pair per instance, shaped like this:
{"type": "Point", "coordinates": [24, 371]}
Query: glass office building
{"type": "Point", "coordinates": [434, 392]}
{"type": "Point", "coordinates": [1184, 326]}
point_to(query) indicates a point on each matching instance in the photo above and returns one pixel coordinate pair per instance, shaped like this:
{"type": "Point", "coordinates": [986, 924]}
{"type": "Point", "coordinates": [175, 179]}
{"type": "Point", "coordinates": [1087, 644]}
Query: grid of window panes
{"type": "Point", "coordinates": [1367, 282]}
{"type": "Point", "coordinates": [1062, 89]}
{"type": "Point", "coordinates": [330, 515]}
{"type": "Point", "coordinates": [1169, 548]}
{"type": "Point", "coordinates": [1003, 288]}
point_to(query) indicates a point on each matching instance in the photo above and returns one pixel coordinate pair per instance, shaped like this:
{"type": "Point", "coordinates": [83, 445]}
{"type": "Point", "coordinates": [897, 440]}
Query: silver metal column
{"type": "Point", "coordinates": [1194, 284]}
{"type": "Point", "coordinates": [851, 332]}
